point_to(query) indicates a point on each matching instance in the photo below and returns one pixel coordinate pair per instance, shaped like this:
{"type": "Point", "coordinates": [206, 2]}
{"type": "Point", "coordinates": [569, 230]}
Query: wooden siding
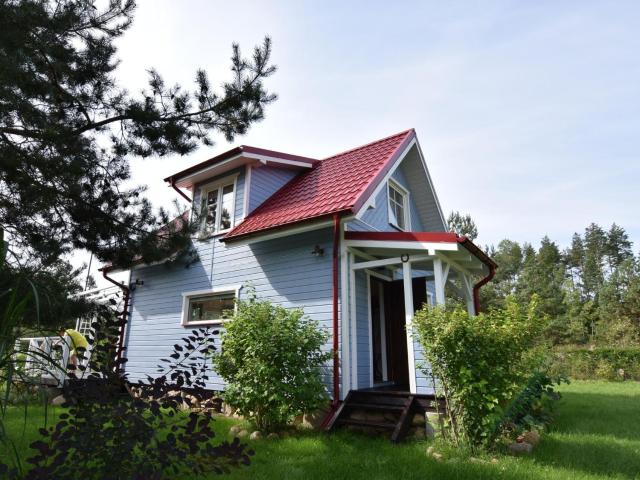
{"type": "Point", "coordinates": [378, 218]}
{"type": "Point", "coordinates": [282, 271]}
{"type": "Point", "coordinates": [265, 181]}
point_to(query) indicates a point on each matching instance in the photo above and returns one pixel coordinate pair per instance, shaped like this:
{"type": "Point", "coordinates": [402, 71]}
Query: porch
{"type": "Point", "coordinates": [388, 276]}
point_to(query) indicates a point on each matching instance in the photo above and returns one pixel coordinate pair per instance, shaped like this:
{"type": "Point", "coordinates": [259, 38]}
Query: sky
{"type": "Point", "coordinates": [528, 112]}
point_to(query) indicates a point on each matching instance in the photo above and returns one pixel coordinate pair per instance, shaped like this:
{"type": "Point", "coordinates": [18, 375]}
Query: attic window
{"type": "Point", "coordinates": [208, 306]}
{"type": "Point", "coordinates": [398, 206]}
{"type": "Point", "coordinates": [217, 206]}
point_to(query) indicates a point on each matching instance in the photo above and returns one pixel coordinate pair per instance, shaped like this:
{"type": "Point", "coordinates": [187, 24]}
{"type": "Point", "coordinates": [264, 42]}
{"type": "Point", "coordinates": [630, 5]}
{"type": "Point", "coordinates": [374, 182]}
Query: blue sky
{"type": "Point", "coordinates": [528, 112]}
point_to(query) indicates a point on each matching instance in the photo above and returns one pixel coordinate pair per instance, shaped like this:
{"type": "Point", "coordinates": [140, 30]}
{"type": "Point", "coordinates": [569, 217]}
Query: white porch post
{"type": "Point", "coordinates": [408, 308]}
{"type": "Point", "coordinates": [468, 293]}
{"type": "Point", "coordinates": [439, 280]}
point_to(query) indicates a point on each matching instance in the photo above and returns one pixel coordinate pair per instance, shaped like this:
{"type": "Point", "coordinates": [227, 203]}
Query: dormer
{"type": "Point", "coordinates": [231, 185]}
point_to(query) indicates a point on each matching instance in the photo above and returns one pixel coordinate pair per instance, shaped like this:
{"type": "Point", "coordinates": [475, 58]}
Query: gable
{"type": "Point", "coordinates": [424, 209]}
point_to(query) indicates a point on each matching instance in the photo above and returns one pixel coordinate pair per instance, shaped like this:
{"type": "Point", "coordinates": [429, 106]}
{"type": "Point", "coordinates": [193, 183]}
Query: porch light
{"type": "Point", "coordinates": [317, 251]}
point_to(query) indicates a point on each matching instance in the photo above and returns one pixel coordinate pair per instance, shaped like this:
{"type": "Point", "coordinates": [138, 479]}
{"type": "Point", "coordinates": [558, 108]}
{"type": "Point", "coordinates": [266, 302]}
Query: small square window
{"type": "Point", "coordinates": [208, 307]}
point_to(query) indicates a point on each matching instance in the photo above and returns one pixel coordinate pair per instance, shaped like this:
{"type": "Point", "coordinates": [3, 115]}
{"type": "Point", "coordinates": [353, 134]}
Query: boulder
{"type": "Point", "coordinates": [234, 430]}
{"type": "Point", "coordinates": [242, 433]}
{"type": "Point", "coordinates": [437, 456]}
{"type": "Point", "coordinates": [255, 435]}
{"type": "Point", "coordinates": [532, 437]}
{"type": "Point", "coordinates": [314, 419]}
{"type": "Point", "coordinates": [59, 400]}
{"type": "Point", "coordinates": [522, 448]}
{"type": "Point", "coordinates": [419, 419]}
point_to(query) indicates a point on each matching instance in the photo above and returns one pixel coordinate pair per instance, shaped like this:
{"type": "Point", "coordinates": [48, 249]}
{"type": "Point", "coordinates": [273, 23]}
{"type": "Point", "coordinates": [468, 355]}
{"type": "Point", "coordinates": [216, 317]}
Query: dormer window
{"type": "Point", "coordinates": [217, 206]}
{"type": "Point", "coordinates": [398, 206]}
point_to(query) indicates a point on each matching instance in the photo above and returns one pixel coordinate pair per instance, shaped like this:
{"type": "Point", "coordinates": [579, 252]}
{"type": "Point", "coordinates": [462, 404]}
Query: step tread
{"type": "Point", "coordinates": [376, 406]}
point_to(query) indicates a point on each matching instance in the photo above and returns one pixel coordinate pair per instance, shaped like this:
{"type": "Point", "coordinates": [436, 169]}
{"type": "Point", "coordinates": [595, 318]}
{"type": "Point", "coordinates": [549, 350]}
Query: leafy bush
{"type": "Point", "coordinates": [532, 407]}
{"type": "Point", "coordinates": [481, 362]}
{"type": "Point", "coordinates": [109, 434]}
{"type": "Point", "coordinates": [597, 363]}
{"type": "Point", "coordinates": [271, 359]}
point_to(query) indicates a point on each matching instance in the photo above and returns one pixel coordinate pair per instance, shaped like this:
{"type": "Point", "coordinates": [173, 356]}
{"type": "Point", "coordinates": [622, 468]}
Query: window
{"type": "Point", "coordinates": [398, 206]}
{"type": "Point", "coordinates": [208, 306]}
{"type": "Point", "coordinates": [217, 206]}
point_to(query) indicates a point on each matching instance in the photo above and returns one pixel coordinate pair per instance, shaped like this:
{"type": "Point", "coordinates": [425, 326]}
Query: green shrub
{"type": "Point", "coordinates": [481, 362]}
{"type": "Point", "coordinates": [271, 359]}
{"type": "Point", "coordinates": [597, 363]}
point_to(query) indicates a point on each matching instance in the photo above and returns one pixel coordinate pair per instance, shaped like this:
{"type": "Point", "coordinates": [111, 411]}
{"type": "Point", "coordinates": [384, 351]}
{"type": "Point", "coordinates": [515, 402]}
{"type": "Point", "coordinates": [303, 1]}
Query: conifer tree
{"type": "Point", "coordinates": [68, 130]}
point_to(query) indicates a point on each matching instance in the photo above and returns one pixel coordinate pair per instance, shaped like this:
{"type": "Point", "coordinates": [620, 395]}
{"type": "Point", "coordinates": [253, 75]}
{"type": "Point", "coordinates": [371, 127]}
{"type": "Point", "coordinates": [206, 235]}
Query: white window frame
{"type": "Point", "coordinates": [405, 205]}
{"type": "Point", "coordinates": [219, 185]}
{"type": "Point", "coordinates": [187, 296]}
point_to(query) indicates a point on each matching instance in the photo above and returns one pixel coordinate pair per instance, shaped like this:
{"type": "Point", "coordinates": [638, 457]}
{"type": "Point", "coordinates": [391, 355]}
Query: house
{"type": "Point", "coordinates": [358, 240]}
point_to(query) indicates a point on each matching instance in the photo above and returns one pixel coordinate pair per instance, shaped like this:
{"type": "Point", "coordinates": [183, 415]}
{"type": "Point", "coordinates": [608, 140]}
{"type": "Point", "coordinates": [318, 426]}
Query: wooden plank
{"type": "Point", "coordinates": [338, 413]}
{"type": "Point", "coordinates": [404, 422]}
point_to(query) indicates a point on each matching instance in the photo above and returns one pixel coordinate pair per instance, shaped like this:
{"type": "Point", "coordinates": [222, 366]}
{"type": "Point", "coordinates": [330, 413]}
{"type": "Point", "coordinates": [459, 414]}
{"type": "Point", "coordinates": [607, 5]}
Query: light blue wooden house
{"type": "Point", "coordinates": [358, 240]}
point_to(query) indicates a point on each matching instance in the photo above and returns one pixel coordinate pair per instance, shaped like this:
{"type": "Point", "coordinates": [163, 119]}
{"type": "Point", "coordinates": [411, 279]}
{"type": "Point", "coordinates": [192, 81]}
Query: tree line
{"type": "Point", "coordinates": [590, 291]}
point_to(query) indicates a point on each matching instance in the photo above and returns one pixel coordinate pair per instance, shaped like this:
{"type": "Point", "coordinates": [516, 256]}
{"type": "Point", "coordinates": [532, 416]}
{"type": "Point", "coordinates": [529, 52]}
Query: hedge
{"type": "Point", "coordinates": [597, 363]}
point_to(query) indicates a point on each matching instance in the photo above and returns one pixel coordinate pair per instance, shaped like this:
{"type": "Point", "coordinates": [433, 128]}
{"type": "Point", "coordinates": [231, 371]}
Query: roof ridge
{"type": "Point", "coordinates": [404, 132]}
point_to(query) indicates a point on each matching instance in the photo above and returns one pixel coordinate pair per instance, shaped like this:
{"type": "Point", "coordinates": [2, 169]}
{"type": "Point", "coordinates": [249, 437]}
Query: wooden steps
{"type": "Point", "coordinates": [382, 411]}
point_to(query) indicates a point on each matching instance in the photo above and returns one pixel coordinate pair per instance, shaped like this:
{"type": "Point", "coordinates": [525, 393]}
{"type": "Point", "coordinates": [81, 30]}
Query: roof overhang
{"type": "Point", "coordinates": [457, 249]}
{"type": "Point", "coordinates": [234, 158]}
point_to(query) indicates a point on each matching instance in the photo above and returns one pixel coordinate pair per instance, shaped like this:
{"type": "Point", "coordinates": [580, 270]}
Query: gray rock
{"type": "Point", "coordinates": [242, 434]}
{"type": "Point", "coordinates": [523, 448]}
{"type": "Point", "coordinates": [255, 435]}
{"type": "Point", "coordinates": [57, 401]}
{"type": "Point", "coordinates": [234, 430]}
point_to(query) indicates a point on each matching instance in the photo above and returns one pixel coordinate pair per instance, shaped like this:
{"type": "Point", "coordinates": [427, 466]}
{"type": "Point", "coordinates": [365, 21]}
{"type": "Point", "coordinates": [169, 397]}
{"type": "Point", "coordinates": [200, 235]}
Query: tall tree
{"type": "Point", "coordinates": [617, 247]}
{"type": "Point", "coordinates": [68, 129]}
{"type": "Point", "coordinates": [595, 241]}
{"type": "Point", "coordinates": [463, 224]}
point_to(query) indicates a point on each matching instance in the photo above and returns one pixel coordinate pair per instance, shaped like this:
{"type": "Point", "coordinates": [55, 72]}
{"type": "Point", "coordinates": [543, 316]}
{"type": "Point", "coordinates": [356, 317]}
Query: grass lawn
{"type": "Point", "coordinates": [596, 435]}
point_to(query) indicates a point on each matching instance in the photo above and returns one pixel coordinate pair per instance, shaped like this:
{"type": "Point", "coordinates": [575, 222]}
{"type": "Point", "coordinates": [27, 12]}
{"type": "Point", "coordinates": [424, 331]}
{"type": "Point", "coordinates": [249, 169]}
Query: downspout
{"type": "Point", "coordinates": [336, 356]}
{"type": "Point", "coordinates": [126, 293]}
{"type": "Point", "coordinates": [182, 194]}
{"type": "Point", "coordinates": [479, 285]}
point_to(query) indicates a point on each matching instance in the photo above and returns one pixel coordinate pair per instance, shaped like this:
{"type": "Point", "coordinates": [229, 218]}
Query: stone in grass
{"type": "Point", "coordinates": [532, 437]}
{"type": "Point", "coordinates": [435, 455]}
{"type": "Point", "coordinates": [234, 430]}
{"type": "Point", "coordinates": [242, 433]}
{"type": "Point", "coordinates": [57, 401]}
{"type": "Point", "coordinates": [523, 448]}
{"type": "Point", "coordinates": [255, 435]}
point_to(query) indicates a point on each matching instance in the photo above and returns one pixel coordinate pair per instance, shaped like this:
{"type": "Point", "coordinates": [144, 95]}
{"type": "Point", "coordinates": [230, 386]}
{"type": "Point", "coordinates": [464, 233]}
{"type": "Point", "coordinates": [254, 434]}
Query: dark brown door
{"type": "Point", "coordinates": [396, 331]}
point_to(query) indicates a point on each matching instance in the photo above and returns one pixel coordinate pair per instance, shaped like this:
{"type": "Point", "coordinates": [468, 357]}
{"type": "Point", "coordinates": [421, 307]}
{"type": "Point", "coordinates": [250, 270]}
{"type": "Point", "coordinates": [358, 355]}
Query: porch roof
{"type": "Point", "coordinates": [450, 245]}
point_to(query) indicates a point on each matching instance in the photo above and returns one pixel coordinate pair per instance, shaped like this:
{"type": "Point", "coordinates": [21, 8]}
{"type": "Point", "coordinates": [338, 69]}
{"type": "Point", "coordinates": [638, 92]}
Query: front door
{"type": "Point", "coordinates": [394, 340]}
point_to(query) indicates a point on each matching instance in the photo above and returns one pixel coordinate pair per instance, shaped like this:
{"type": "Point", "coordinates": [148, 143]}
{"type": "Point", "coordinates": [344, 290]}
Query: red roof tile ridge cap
{"type": "Point", "coordinates": [404, 132]}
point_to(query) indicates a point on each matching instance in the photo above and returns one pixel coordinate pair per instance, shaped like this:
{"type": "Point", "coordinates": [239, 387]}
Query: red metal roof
{"type": "Point", "coordinates": [341, 183]}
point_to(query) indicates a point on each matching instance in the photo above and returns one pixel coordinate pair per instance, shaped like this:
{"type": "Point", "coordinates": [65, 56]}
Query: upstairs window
{"type": "Point", "coordinates": [398, 206]}
{"type": "Point", "coordinates": [217, 206]}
